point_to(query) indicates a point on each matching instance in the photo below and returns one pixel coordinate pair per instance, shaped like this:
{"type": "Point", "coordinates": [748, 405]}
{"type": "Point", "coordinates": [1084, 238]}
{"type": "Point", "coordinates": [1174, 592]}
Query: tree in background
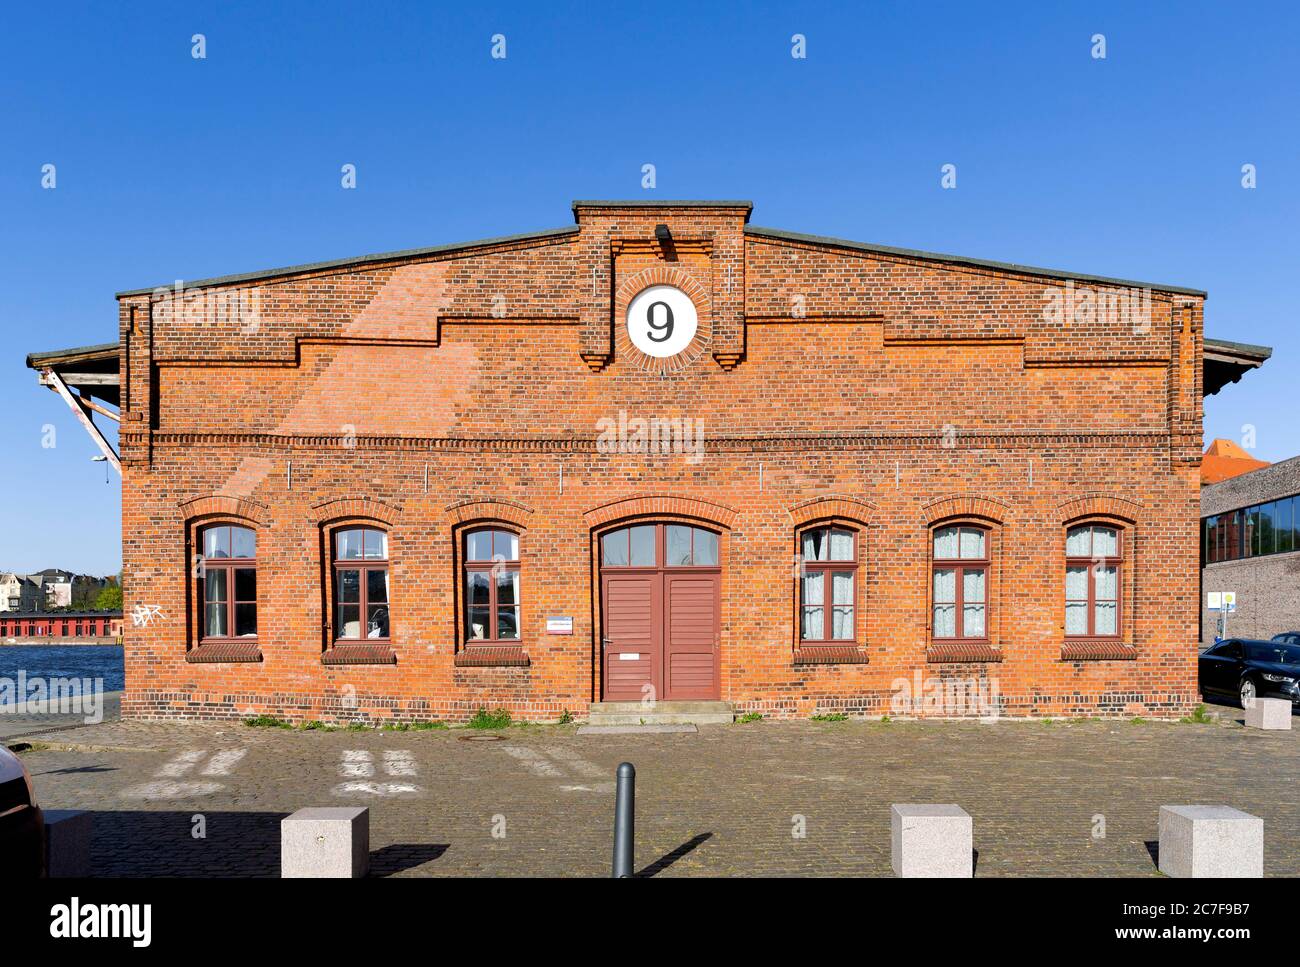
{"type": "Point", "coordinates": [109, 598]}
{"type": "Point", "coordinates": [85, 590]}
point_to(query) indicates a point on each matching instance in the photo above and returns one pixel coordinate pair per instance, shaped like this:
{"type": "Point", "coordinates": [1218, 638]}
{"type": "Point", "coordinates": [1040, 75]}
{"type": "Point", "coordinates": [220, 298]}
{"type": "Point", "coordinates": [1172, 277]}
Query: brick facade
{"type": "Point", "coordinates": [425, 392]}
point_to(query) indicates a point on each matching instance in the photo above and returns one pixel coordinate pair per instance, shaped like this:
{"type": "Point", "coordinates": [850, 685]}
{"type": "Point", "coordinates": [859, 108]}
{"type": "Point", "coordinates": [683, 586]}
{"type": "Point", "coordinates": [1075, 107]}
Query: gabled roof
{"type": "Point", "coordinates": [356, 260]}
{"type": "Point", "coordinates": [782, 235]}
{"type": "Point", "coordinates": [1224, 460]}
{"type": "Point", "coordinates": [651, 204]}
{"type": "Point", "coordinates": [1225, 361]}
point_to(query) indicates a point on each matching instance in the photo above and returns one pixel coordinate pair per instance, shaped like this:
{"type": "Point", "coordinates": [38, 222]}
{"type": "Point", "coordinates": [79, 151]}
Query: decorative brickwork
{"type": "Point", "coordinates": [1097, 651]}
{"type": "Point", "coordinates": [964, 506]}
{"type": "Point", "coordinates": [1099, 505]}
{"type": "Point", "coordinates": [339, 508]}
{"type": "Point", "coordinates": [940, 652]}
{"type": "Point", "coordinates": [662, 506]}
{"type": "Point", "coordinates": [224, 651]}
{"type": "Point", "coordinates": [222, 505]}
{"type": "Point", "coordinates": [663, 275]}
{"type": "Point", "coordinates": [838, 505]}
{"type": "Point", "coordinates": [471, 510]}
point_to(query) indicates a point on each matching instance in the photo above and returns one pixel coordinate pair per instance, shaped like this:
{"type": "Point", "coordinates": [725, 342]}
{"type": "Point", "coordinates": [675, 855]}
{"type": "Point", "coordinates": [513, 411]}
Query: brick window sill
{"type": "Point", "coordinates": [359, 654]}
{"type": "Point", "coordinates": [211, 652]}
{"type": "Point", "coordinates": [845, 654]}
{"type": "Point", "coordinates": [1100, 650]}
{"type": "Point", "coordinates": [492, 656]}
{"type": "Point", "coordinates": [961, 651]}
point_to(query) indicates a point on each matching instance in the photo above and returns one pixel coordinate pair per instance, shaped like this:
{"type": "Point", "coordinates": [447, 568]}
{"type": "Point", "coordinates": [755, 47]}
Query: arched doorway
{"type": "Point", "coordinates": [660, 596]}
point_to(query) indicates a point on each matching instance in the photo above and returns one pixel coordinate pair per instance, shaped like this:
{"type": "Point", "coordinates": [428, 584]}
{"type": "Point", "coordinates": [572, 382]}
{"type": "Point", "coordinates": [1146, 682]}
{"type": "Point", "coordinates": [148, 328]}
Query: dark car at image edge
{"type": "Point", "coordinates": [22, 825]}
{"type": "Point", "coordinates": [1246, 668]}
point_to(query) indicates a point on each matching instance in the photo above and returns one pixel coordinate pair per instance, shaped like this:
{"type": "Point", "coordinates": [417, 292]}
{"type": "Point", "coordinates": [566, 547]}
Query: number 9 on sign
{"type": "Point", "coordinates": [661, 321]}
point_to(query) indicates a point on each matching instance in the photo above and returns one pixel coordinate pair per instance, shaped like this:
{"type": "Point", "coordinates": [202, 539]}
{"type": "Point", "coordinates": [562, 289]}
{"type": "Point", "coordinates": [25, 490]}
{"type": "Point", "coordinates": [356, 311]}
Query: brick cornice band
{"type": "Point", "coordinates": [210, 505]}
{"type": "Point", "coordinates": [748, 444]}
{"type": "Point", "coordinates": [644, 505]}
{"type": "Point", "coordinates": [337, 508]}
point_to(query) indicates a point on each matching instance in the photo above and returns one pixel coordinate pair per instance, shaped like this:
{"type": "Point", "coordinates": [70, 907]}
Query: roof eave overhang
{"type": "Point", "coordinates": [1226, 362]}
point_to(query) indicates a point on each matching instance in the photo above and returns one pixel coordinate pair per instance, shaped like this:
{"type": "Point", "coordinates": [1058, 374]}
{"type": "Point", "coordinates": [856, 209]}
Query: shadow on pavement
{"type": "Point", "coordinates": [668, 859]}
{"type": "Point", "coordinates": [232, 844]}
{"type": "Point", "coordinates": [167, 843]}
{"type": "Point", "coordinates": [404, 856]}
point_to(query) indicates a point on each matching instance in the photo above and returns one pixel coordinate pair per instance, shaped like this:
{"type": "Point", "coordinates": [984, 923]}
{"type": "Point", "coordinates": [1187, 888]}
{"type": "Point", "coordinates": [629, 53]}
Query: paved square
{"type": "Point", "coordinates": [796, 798]}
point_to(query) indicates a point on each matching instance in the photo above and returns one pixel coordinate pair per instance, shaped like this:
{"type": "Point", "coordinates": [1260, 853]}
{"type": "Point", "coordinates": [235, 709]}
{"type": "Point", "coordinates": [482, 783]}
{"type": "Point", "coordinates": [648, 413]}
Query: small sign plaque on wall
{"type": "Point", "coordinates": [559, 625]}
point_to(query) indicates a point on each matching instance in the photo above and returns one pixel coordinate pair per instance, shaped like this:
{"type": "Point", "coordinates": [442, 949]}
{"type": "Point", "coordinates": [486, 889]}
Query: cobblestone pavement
{"type": "Point", "coordinates": [725, 801]}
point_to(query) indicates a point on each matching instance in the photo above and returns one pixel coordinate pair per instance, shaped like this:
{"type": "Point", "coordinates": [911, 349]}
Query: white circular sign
{"type": "Point", "coordinates": [661, 321]}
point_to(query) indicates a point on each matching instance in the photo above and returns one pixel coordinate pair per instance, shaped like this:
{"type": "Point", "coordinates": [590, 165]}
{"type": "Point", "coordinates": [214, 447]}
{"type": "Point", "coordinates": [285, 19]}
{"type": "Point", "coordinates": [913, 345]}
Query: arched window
{"type": "Point", "coordinates": [647, 545]}
{"type": "Point", "coordinates": [360, 584]}
{"type": "Point", "coordinates": [491, 586]}
{"type": "Point", "coordinates": [227, 582]}
{"type": "Point", "coordinates": [828, 579]}
{"type": "Point", "coordinates": [960, 566]}
{"type": "Point", "coordinates": [1094, 555]}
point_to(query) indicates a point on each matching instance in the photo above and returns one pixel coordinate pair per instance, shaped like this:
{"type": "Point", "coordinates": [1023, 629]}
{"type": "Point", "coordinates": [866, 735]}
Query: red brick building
{"type": "Point", "coordinates": [661, 454]}
{"type": "Point", "coordinates": [38, 627]}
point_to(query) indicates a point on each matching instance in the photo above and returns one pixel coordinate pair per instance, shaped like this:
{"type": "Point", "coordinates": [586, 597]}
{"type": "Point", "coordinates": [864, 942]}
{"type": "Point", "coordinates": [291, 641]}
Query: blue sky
{"type": "Point", "coordinates": [170, 167]}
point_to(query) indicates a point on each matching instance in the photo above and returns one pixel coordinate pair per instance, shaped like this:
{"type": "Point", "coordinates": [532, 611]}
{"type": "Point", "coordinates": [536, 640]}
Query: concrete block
{"type": "Point", "coordinates": [1269, 713]}
{"type": "Point", "coordinates": [67, 842]}
{"type": "Point", "coordinates": [931, 840]}
{"type": "Point", "coordinates": [1210, 841]}
{"type": "Point", "coordinates": [325, 841]}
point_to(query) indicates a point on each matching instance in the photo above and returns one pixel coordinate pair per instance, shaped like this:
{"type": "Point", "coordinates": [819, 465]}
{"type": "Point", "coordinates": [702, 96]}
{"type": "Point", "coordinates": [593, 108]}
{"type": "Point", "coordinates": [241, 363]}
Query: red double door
{"type": "Point", "coordinates": [661, 610]}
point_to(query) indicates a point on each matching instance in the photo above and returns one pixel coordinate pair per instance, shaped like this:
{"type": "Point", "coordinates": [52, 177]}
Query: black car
{"type": "Point", "coordinates": [22, 826]}
{"type": "Point", "coordinates": [1288, 637]}
{"type": "Point", "coordinates": [1244, 669]}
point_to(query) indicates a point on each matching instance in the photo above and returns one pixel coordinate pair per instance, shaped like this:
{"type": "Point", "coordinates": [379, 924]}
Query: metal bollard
{"type": "Point", "coordinates": [624, 820]}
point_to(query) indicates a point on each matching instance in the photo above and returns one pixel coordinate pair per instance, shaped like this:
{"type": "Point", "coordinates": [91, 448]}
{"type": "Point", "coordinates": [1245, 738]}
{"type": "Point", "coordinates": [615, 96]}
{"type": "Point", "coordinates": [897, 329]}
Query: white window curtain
{"type": "Point", "coordinates": [945, 543]}
{"type": "Point", "coordinates": [841, 545]}
{"type": "Point", "coordinates": [842, 600]}
{"type": "Point", "coordinates": [1106, 617]}
{"type": "Point", "coordinates": [814, 613]}
{"type": "Point", "coordinates": [1105, 542]}
{"type": "Point", "coordinates": [972, 543]}
{"type": "Point", "coordinates": [945, 607]}
{"type": "Point", "coordinates": [1078, 542]}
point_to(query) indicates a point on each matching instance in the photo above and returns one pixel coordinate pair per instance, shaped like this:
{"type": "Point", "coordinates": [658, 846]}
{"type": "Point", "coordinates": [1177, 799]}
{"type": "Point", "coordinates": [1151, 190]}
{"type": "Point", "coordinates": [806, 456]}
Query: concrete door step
{"type": "Point", "coordinates": [661, 713]}
{"type": "Point", "coordinates": [633, 729]}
